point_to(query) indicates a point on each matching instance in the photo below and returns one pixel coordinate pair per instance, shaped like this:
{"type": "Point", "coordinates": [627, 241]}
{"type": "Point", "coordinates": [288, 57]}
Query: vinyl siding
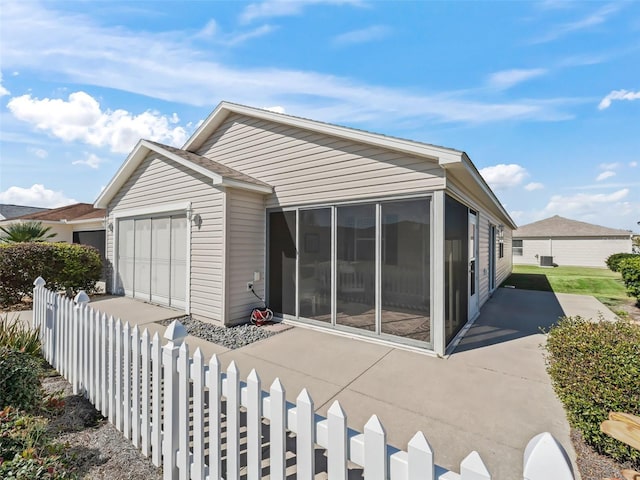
{"type": "Point", "coordinates": [159, 181]}
{"type": "Point", "coordinates": [246, 253]}
{"type": "Point", "coordinates": [483, 259]}
{"type": "Point", "coordinates": [504, 265]}
{"type": "Point", "coordinates": [584, 252]}
{"type": "Point", "coordinates": [307, 167]}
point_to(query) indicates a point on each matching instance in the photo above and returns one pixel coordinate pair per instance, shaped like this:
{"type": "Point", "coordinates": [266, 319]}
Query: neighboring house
{"type": "Point", "coordinates": [338, 228]}
{"type": "Point", "coordinates": [8, 211]}
{"type": "Point", "coordinates": [561, 241]}
{"type": "Point", "coordinates": [77, 223]}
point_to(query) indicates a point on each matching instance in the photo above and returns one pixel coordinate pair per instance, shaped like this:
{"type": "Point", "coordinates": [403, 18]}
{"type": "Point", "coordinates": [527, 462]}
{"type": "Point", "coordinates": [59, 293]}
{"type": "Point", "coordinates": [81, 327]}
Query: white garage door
{"type": "Point", "coordinates": [152, 258]}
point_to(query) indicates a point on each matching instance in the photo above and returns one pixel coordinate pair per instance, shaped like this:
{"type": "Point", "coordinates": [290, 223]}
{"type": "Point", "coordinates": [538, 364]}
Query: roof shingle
{"type": "Point", "coordinates": [76, 211]}
{"type": "Point", "coordinates": [558, 226]}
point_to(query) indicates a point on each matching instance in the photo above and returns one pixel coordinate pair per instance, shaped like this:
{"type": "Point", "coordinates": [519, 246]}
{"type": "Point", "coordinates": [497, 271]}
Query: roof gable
{"type": "Point", "coordinates": [558, 226]}
{"type": "Point", "coordinates": [219, 174]}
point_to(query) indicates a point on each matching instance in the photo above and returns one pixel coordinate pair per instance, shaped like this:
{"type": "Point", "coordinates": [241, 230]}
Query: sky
{"type": "Point", "coordinates": [543, 96]}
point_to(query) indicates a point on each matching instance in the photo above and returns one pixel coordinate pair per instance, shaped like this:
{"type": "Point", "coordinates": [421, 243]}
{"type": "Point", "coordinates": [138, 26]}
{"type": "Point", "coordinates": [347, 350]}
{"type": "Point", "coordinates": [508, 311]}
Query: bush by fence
{"type": "Point", "coordinates": [630, 270]}
{"type": "Point", "coordinates": [595, 369]}
{"type": "Point", "coordinates": [613, 261]}
{"type": "Point", "coordinates": [67, 266]}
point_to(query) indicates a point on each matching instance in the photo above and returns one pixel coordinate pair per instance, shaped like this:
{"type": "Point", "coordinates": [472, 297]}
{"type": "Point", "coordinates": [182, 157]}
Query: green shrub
{"type": "Point", "coordinates": [15, 335]}
{"type": "Point", "coordinates": [19, 379]}
{"type": "Point", "coordinates": [595, 369]}
{"type": "Point", "coordinates": [630, 270]}
{"type": "Point", "coordinates": [64, 266]}
{"type": "Point", "coordinates": [613, 261]}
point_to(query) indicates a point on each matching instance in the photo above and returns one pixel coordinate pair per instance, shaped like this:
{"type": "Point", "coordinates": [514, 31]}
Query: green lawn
{"type": "Point", "coordinates": [602, 283]}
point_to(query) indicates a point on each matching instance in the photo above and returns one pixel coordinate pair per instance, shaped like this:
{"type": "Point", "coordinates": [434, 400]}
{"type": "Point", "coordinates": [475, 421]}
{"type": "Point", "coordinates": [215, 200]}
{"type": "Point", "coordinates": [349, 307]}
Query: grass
{"type": "Point", "coordinates": [602, 283]}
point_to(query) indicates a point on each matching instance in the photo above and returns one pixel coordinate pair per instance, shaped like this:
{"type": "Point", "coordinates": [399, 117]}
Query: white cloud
{"type": "Point", "coordinates": [238, 38]}
{"type": "Point", "coordinates": [39, 152]}
{"type": "Point", "coordinates": [604, 175]}
{"type": "Point", "coordinates": [284, 8]}
{"type": "Point", "coordinates": [92, 161]}
{"type": "Point", "coordinates": [275, 108]}
{"type": "Point", "coordinates": [618, 95]}
{"type": "Point", "coordinates": [596, 18]}
{"type": "Point", "coordinates": [584, 205]}
{"type": "Point", "coordinates": [504, 176]}
{"type": "Point", "coordinates": [530, 187]}
{"type": "Point", "coordinates": [364, 35]}
{"type": "Point", "coordinates": [3, 91]}
{"type": "Point", "coordinates": [35, 196]}
{"type": "Point", "coordinates": [509, 78]}
{"type": "Point", "coordinates": [633, 164]}
{"type": "Point", "coordinates": [81, 119]}
{"type": "Point", "coordinates": [609, 166]}
{"type": "Point", "coordinates": [167, 66]}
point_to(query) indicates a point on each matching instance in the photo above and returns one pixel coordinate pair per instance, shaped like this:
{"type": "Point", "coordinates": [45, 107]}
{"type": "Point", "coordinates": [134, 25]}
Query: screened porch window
{"type": "Point", "coordinates": [361, 267]}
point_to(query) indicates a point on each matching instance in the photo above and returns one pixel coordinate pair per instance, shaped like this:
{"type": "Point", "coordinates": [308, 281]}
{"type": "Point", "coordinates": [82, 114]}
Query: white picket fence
{"type": "Point", "coordinates": [197, 422]}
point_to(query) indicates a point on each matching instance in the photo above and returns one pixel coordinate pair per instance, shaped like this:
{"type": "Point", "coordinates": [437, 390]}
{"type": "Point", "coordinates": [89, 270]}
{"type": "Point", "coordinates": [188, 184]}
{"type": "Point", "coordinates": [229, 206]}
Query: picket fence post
{"type": "Point", "coordinates": [545, 458]}
{"type": "Point", "coordinates": [175, 334]}
{"type": "Point", "coordinates": [39, 306]}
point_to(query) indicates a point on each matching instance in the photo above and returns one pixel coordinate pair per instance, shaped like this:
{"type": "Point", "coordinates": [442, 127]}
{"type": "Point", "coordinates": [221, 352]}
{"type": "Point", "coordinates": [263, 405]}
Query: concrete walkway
{"type": "Point", "coordinates": [491, 395]}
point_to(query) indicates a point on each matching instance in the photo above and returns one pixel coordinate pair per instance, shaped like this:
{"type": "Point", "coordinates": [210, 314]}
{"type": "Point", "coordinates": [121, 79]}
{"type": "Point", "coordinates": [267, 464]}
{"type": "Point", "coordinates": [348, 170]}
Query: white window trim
{"type": "Point", "coordinates": [151, 211]}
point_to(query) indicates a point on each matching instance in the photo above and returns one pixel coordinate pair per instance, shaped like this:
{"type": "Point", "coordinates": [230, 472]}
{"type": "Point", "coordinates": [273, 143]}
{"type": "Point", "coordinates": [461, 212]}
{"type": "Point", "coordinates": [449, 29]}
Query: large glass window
{"type": "Point", "coordinates": [282, 262]}
{"type": "Point", "coordinates": [315, 264]}
{"type": "Point", "coordinates": [356, 266]}
{"type": "Point", "coordinates": [456, 275]}
{"type": "Point", "coordinates": [406, 269]}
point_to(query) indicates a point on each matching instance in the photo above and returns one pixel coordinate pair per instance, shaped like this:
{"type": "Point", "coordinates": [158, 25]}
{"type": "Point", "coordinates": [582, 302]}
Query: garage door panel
{"type": "Point", "coordinates": [142, 270]}
{"type": "Point", "coordinates": [160, 259]}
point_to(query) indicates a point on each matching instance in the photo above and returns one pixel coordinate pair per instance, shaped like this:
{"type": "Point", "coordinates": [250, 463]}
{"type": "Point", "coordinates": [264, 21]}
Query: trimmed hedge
{"type": "Point", "coordinates": [630, 270]}
{"type": "Point", "coordinates": [595, 369]}
{"type": "Point", "coordinates": [64, 266]}
{"type": "Point", "coordinates": [613, 261]}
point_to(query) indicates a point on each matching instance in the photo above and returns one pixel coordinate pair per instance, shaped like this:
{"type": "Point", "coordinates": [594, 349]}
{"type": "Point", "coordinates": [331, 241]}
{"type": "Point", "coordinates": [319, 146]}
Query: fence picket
{"type": "Point", "coordinates": [473, 468]}
{"type": "Point", "coordinates": [183, 457]}
{"type": "Point", "coordinates": [136, 372]}
{"type": "Point", "coordinates": [214, 383]}
{"type": "Point", "coordinates": [112, 369]}
{"type": "Point", "coordinates": [337, 433]}
{"type": "Point", "coordinates": [162, 399]}
{"type": "Point", "coordinates": [118, 371]}
{"type": "Point", "coordinates": [375, 445]}
{"type": "Point", "coordinates": [198, 376]}
{"type": "Point", "coordinates": [145, 393]}
{"type": "Point", "coordinates": [254, 426]}
{"type": "Point", "coordinates": [156, 401]}
{"type": "Point", "coordinates": [305, 436]}
{"type": "Point", "coordinates": [277, 430]}
{"type": "Point", "coordinates": [233, 422]}
{"type": "Point", "coordinates": [126, 377]}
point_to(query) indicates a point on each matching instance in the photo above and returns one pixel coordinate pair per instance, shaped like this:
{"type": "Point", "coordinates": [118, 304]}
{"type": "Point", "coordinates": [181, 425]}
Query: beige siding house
{"type": "Point", "coordinates": [561, 241]}
{"type": "Point", "coordinates": [335, 228]}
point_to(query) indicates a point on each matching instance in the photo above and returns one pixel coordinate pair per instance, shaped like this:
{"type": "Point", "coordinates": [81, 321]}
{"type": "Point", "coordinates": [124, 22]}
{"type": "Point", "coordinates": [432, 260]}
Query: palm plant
{"type": "Point", "coordinates": [25, 232]}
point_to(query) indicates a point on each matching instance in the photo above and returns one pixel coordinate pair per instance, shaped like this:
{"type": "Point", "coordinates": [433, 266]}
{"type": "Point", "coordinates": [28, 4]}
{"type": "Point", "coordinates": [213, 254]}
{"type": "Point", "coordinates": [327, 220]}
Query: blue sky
{"type": "Point", "coordinates": [543, 96]}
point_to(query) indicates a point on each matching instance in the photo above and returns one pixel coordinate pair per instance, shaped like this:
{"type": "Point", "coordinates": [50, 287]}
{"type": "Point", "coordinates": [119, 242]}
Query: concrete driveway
{"type": "Point", "coordinates": [491, 395]}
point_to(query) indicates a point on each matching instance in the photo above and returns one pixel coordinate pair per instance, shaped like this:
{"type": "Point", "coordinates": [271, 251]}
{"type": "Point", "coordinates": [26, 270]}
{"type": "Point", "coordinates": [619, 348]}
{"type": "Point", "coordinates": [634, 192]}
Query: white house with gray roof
{"type": "Point", "coordinates": [354, 232]}
{"type": "Point", "coordinates": [561, 241]}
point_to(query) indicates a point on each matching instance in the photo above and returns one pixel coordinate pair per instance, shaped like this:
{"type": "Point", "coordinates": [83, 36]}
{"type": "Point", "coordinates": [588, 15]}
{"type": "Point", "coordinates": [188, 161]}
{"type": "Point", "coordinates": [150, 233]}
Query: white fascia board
{"type": "Point", "coordinates": [88, 220]}
{"type": "Point", "coordinates": [252, 187]}
{"type": "Point", "coordinates": [432, 152]}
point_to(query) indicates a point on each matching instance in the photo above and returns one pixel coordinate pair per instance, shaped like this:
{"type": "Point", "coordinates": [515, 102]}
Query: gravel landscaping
{"type": "Point", "coordinates": [229, 337]}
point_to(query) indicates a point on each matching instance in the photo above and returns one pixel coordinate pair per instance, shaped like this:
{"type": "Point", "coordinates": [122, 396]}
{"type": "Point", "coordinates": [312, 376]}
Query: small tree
{"type": "Point", "coordinates": [26, 232]}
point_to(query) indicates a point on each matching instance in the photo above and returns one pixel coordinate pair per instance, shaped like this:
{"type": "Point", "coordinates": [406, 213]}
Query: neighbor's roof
{"type": "Point", "coordinates": [218, 173]}
{"type": "Point", "coordinates": [8, 211]}
{"type": "Point", "coordinates": [558, 226]}
{"type": "Point", "coordinates": [69, 213]}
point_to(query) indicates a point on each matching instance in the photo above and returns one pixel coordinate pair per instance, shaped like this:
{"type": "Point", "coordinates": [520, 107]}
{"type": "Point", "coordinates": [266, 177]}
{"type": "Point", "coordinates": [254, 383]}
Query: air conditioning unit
{"type": "Point", "coordinates": [546, 261]}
